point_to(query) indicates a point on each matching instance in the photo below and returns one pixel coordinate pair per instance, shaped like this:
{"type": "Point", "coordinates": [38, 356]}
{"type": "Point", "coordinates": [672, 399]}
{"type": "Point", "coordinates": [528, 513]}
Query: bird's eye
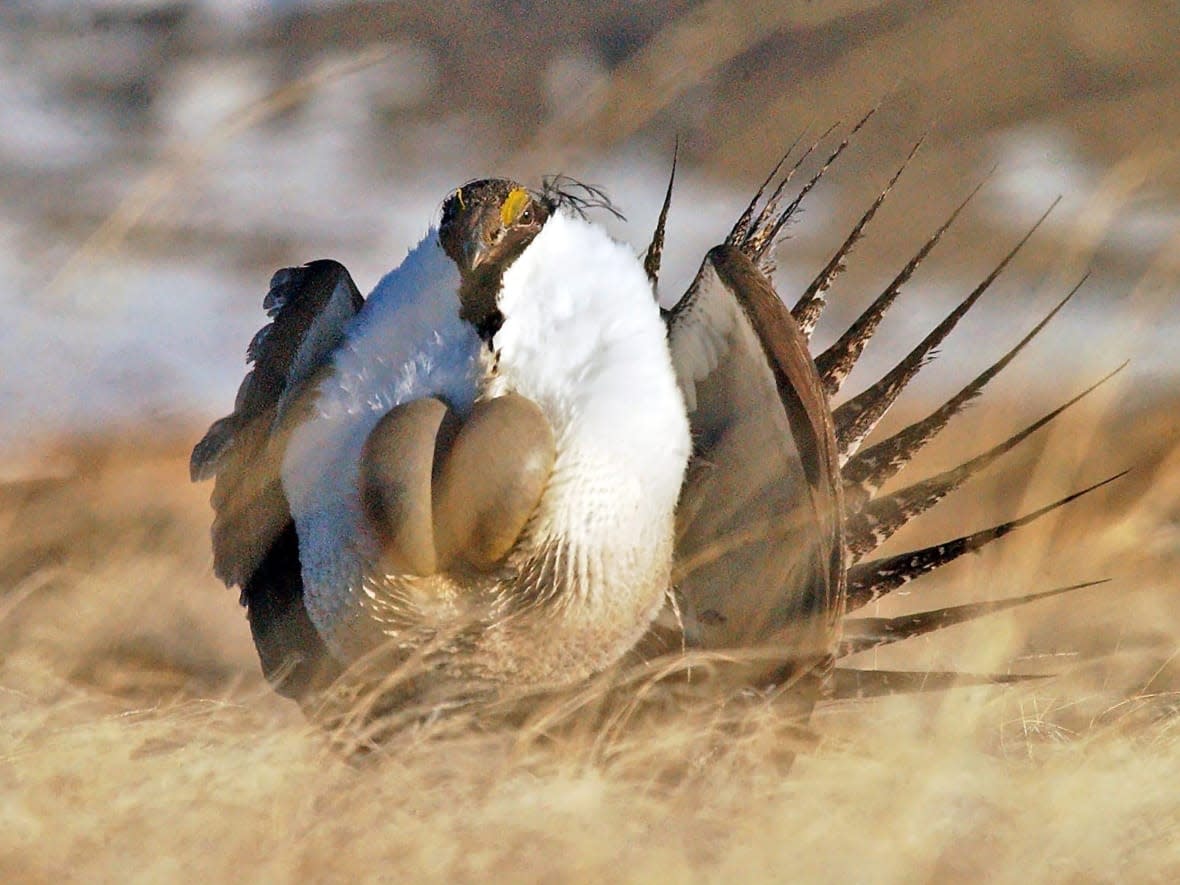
{"type": "Point", "coordinates": [526, 217]}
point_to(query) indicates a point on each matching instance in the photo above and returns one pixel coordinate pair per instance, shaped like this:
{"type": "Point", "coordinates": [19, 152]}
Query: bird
{"type": "Point", "coordinates": [479, 463]}
{"type": "Point", "coordinates": [510, 465]}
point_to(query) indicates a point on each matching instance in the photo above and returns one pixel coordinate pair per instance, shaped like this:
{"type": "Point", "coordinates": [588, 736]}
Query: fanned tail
{"type": "Point", "coordinates": [863, 634]}
{"type": "Point", "coordinates": [870, 581]}
{"type": "Point", "coordinates": [866, 472]}
{"type": "Point", "coordinates": [835, 363]}
{"type": "Point", "coordinates": [868, 520]}
{"type": "Point", "coordinates": [879, 519]}
{"type": "Point", "coordinates": [810, 305]}
{"type": "Point", "coordinates": [856, 418]}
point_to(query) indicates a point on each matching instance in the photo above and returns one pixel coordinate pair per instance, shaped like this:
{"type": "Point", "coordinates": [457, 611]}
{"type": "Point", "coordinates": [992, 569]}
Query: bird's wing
{"type": "Point", "coordinates": [759, 530]}
{"type": "Point", "coordinates": [254, 542]}
{"type": "Point", "coordinates": [309, 307]}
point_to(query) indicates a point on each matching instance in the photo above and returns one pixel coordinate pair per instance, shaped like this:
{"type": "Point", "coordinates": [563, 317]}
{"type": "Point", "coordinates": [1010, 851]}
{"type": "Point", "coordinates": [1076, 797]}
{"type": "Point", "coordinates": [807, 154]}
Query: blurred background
{"type": "Point", "coordinates": [158, 160]}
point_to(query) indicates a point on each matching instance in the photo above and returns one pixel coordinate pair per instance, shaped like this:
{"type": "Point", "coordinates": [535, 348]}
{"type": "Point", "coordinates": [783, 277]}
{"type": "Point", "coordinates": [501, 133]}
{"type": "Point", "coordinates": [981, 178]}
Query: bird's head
{"type": "Point", "coordinates": [485, 226]}
{"type": "Point", "coordinates": [487, 223]}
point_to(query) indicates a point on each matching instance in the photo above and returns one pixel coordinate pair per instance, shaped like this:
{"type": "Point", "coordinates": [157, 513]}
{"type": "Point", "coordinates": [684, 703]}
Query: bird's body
{"type": "Point", "coordinates": [507, 460]}
{"type": "Point", "coordinates": [581, 338]}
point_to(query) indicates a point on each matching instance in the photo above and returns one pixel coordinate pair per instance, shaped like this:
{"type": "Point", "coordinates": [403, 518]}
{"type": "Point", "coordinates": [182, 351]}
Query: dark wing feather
{"type": "Point", "coordinates": [759, 527]}
{"type": "Point", "coordinates": [254, 541]}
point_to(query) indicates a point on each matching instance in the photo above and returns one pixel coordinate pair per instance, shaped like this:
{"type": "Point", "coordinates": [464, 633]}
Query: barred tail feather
{"type": "Point", "coordinates": [863, 634]}
{"type": "Point", "coordinates": [655, 251]}
{"type": "Point", "coordinates": [808, 308]}
{"type": "Point", "coordinates": [835, 363]}
{"type": "Point", "coordinates": [745, 225]}
{"type": "Point", "coordinates": [865, 473]}
{"type": "Point", "coordinates": [878, 520]}
{"type": "Point", "coordinates": [765, 232]}
{"type": "Point", "coordinates": [872, 580]}
{"type": "Point", "coordinates": [856, 418]}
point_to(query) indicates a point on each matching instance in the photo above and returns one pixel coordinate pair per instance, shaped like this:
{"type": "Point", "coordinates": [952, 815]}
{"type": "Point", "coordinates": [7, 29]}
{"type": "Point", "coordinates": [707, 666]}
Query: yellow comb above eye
{"type": "Point", "coordinates": [513, 205]}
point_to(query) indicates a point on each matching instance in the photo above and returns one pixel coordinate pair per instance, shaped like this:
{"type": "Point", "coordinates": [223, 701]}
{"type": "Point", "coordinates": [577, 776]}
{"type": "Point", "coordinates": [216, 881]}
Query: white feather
{"type": "Point", "coordinates": [701, 331]}
{"type": "Point", "coordinates": [407, 342]}
{"type": "Point", "coordinates": [583, 338]}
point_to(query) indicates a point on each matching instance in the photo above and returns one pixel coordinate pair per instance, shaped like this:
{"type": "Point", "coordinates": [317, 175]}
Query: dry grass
{"type": "Point", "coordinates": [140, 744]}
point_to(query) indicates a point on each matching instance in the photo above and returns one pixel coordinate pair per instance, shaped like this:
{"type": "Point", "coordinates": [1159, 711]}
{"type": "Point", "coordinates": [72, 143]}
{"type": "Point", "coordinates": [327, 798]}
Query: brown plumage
{"type": "Point", "coordinates": [776, 508]}
{"type": "Point", "coordinates": [733, 531]}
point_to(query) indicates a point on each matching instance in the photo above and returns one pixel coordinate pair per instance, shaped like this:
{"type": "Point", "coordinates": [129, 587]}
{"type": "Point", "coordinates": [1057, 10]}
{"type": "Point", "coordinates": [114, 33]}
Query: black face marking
{"type": "Point", "coordinates": [488, 326]}
{"type": "Point", "coordinates": [485, 226]}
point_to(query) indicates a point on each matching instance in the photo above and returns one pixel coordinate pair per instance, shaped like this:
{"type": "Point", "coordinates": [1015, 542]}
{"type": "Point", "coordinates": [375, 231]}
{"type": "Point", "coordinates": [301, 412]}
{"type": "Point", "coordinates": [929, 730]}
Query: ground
{"type": "Point", "coordinates": [158, 160]}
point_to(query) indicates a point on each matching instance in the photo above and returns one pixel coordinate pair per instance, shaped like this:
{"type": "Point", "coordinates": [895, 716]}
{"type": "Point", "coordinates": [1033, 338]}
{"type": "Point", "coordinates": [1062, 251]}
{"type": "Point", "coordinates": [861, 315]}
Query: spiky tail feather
{"type": "Point", "coordinates": [757, 238]}
{"type": "Point", "coordinates": [767, 235]}
{"type": "Point", "coordinates": [863, 634]}
{"type": "Point", "coordinates": [740, 233]}
{"type": "Point", "coordinates": [866, 472]}
{"type": "Point", "coordinates": [880, 518]}
{"type": "Point", "coordinates": [835, 363]}
{"type": "Point", "coordinates": [856, 418]}
{"type": "Point", "coordinates": [852, 684]}
{"type": "Point", "coordinates": [655, 251]}
{"type": "Point", "coordinates": [809, 307]}
{"type": "Point", "coordinates": [870, 522]}
{"type": "Point", "coordinates": [872, 580]}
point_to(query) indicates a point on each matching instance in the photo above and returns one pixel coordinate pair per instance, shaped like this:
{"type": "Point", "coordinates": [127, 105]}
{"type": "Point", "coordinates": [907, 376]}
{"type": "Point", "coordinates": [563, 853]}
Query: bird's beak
{"type": "Point", "coordinates": [475, 252]}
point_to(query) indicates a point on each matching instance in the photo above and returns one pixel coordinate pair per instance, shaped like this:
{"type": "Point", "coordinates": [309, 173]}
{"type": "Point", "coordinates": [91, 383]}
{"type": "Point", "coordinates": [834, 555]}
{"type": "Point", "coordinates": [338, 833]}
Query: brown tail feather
{"type": "Point", "coordinates": [837, 361]}
{"type": "Point", "coordinates": [862, 634]}
{"type": "Point", "coordinates": [856, 418]}
{"type": "Point", "coordinates": [865, 473]}
{"type": "Point", "coordinates": [872, 580]}
{"type": "Point", "coordinates": [851, 684]}
{"type": "Point", "coordinates": [880, 518]}
{"type": "Point", "coordinates": [765, 235]}
{"type": "Point", "coordinates": [808, 308]}
{"type": "Point", "coordinates": [745, 226]}
{"type": "Point", "coordinates": [655, 251]}
{"type": "Point", "coordinates": [758, 238]}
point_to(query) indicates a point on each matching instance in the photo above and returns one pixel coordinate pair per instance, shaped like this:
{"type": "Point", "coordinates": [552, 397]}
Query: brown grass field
{"type": "Point", "coordinates": [138, 741]}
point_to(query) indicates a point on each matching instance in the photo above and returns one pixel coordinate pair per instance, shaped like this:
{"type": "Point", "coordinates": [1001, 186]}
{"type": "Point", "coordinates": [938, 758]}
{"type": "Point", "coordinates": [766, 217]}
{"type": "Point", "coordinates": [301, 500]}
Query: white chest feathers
{"type": "Point", "coordinates": [582, 337]}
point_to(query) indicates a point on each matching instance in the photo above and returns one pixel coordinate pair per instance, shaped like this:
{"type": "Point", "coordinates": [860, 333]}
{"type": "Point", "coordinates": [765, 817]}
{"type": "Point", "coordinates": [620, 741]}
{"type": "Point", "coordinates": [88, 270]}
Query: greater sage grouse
{"type": "Point", "coordinates": [508, 469]}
